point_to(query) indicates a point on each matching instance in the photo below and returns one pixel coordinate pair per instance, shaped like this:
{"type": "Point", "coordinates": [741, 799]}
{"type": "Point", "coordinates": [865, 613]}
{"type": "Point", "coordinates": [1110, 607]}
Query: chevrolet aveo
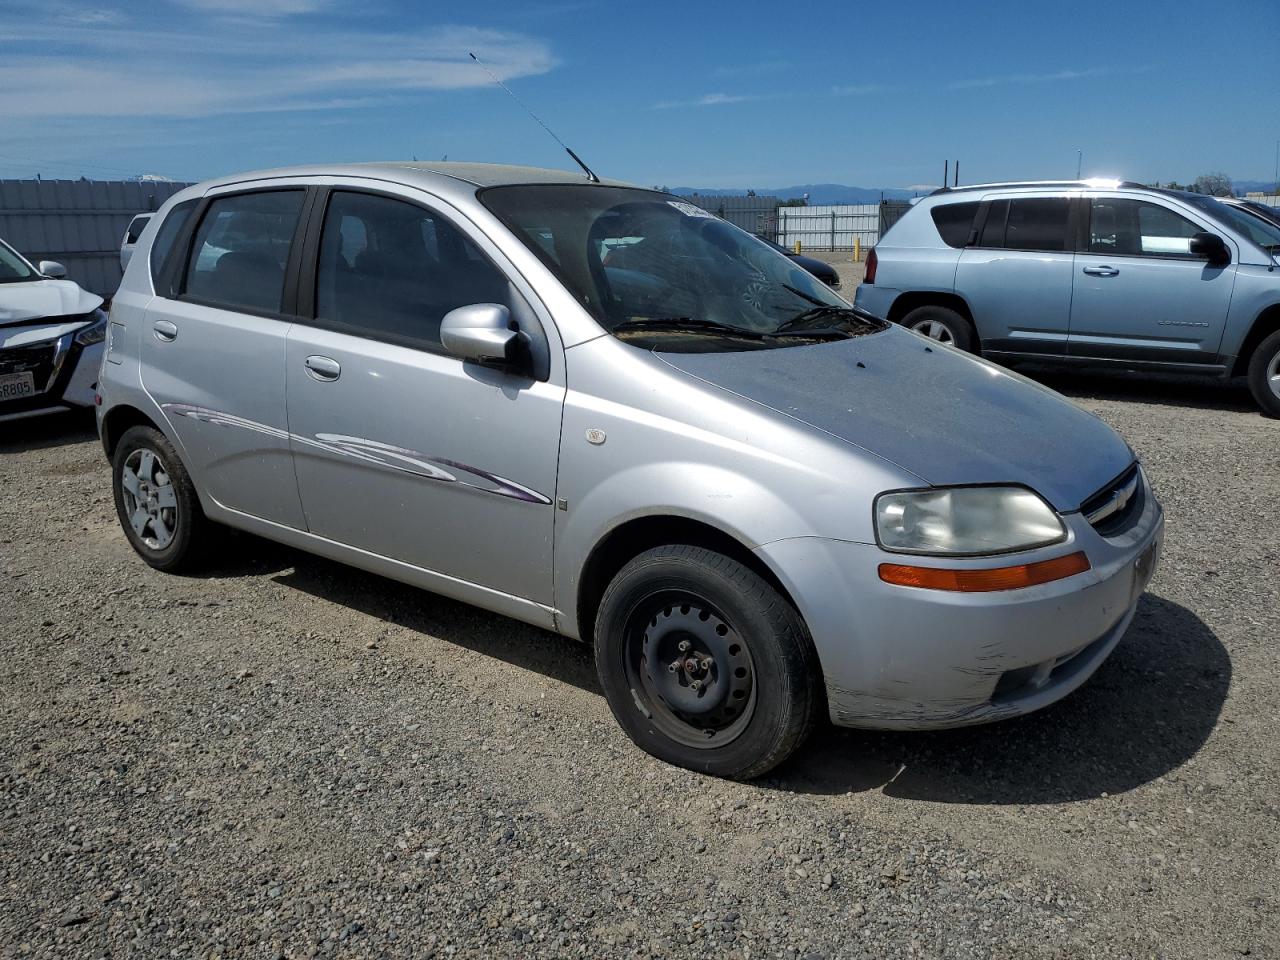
{"type": "Point", "coordinates": [603, 411]}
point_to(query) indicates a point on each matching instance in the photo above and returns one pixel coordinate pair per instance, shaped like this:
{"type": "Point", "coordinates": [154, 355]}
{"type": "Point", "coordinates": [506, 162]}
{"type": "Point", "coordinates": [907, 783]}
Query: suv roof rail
{"type": "Point", "coordinates": [1041, 184]}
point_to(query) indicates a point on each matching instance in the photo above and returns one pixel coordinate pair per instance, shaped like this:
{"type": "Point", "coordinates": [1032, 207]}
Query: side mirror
{"type": "Point", "coordinates": [52, 269]}
{"type": "Point", "coordinates": [482, 333]}
{"type": "Point", "coordinates": [1210, 246]}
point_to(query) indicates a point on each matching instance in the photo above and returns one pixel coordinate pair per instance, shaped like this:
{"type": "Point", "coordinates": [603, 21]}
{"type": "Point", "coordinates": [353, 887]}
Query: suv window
{"type": "Point", "coordinates": [241, 249]}
{"type": "Point", "coordinates": [1137, 228]}
{"type": "Point", "coordinates": [167, 236]}
{"type": "Point", "coordinates": [391, 270]}
{"type": "Point", "coordinates": [1037, 223]}
{"type": "Point", "coordinates": [954, 222]}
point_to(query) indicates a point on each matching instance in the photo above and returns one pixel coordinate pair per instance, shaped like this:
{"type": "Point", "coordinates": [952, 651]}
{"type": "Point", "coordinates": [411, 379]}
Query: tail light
{"type": "Point", "coordinates": [872, 262]}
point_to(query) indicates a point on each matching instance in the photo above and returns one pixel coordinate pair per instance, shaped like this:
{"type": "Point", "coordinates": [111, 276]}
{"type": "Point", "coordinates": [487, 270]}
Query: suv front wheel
{"type": "Point", "coordinates": [1264, 375]}
{"type": "Point", "coordinates": [942, 324]}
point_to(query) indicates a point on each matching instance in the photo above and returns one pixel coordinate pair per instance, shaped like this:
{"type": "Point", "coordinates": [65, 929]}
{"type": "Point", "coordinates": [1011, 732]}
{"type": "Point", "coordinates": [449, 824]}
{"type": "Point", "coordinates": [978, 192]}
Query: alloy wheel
{"type": "Point", "coordinates": [150, 499]}
{"type": "Point", "coordinates": [935, 330]}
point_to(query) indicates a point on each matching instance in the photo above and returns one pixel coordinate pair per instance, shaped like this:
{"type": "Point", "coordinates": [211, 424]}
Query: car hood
{"type": "Point", "coordinates": [944, 416]}
{"type": "Point", "coordinates": [37, 299]}
{"type": "Point", "coordinates": [813, 265]}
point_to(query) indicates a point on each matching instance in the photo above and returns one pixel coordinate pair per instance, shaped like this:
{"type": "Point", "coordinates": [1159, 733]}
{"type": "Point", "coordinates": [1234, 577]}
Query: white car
{"type": "Point", "coordinates": [51, 334]}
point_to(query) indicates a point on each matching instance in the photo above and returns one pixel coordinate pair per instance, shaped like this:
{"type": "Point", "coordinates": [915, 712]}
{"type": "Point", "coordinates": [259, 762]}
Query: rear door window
{"type": "Point", "coordinates": [1037, 223]}
{"type": "Point", "coordinates": [954, 222]}
{"type": "Point", "coordinates": [241, 249]}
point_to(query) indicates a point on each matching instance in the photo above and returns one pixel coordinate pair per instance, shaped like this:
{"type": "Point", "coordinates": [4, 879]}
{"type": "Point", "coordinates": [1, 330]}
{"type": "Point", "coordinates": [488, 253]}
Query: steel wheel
{"type": "Point", "coordinates": [694, 669]}
{"type": "Point", "coordinates": [150, 501]}
{"type": "Point", "coordinates": [935, 330]}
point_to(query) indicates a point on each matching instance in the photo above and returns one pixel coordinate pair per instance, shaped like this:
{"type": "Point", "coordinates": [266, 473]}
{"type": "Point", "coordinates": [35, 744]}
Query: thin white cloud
{"type": "Point", "coordinates": [224, 69]}
{"type": "Point", "coordinates": [1056, 76]}
{"type": "Point", "coordinates": [256, 8]}
{"type": "Point", "coordinates": [707, 100]}
{"type": "Point", "coordinates": [762, 68]}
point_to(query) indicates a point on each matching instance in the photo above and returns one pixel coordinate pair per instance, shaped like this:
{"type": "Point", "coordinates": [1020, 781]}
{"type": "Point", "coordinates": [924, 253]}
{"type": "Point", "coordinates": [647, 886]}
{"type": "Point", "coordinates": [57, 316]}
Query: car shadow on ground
{"type": "Point", "coordinates": [1209, 393]}
{"type": "Point", "coordinates": [432, 615]}
{"type": "Point", "coordinates": [50, 430]}
{"type": "Point", "coordinates": [1147, 711]}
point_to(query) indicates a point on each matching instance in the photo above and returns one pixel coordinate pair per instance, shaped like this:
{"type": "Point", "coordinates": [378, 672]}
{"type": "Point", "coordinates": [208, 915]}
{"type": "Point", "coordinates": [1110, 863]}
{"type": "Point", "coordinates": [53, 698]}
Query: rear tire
{"type": "Point", "coordinates": [1264, 375]}
{"type": "Point", "coordinates": [157, 503]}
{"type": "Point", "coordinates": [753, 690]}
{"type": "Point", "coordinates": [942, 324]}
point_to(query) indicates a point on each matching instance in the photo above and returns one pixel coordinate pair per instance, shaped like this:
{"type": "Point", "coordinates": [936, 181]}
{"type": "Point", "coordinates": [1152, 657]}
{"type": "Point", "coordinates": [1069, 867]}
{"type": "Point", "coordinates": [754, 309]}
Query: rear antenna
{"type": "Point", "coordinates": [576, 159]}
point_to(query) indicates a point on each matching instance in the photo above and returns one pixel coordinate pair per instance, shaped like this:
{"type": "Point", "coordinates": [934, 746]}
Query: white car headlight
{"type": "Point", "coordinates": [960, 521]}
{"type": "Point", "coordinates": [96, 331]}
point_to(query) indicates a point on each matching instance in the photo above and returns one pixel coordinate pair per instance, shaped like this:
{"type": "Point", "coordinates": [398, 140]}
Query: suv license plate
{"type": "Point", "coordinates": [15, 385]}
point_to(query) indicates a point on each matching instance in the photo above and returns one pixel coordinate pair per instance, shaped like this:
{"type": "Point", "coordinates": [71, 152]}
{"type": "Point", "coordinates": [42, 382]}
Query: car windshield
{"type": "Point", "coordinates": [660, 272]}
{"type": "Point", "coordinates": [1261, 231]}
{"type": "Point", "coordinates": [12, 267]}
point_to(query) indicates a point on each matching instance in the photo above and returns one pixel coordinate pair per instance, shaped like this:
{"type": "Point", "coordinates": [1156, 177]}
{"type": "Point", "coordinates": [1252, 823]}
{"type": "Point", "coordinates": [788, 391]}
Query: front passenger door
{"type": "Point", "coordinates": [1138, 292]}
{"type": "Point", "coordinates": [401, 449]}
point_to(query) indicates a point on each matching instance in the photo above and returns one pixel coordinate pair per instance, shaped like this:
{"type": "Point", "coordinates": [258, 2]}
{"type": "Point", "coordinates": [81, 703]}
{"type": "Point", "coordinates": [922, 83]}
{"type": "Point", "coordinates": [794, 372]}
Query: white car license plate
{"type": "Point", "coordinates": [15, 385]}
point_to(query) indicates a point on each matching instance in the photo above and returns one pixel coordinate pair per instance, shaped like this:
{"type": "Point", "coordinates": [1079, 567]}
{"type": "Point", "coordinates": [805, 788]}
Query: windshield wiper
{"type": "Point", "coordinates": [685, 323]}
{"type": "Point", "coordinates": [822, 312]}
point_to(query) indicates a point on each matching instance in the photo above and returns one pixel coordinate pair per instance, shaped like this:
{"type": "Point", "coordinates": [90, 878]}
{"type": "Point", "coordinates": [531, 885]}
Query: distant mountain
{"type": "Point", "coordinates": [1254, 186]}
{"type": "Point", "coordinates": [819, 193]}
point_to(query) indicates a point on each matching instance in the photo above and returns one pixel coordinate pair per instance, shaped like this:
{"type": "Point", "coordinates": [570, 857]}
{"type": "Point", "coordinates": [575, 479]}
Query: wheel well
{"type": "Point", "coordinates": [117, 421]}
{"type": "Point", "coordinates": [634, 537]}
{"type": "Point", "coordinates": [1268, 322]}
{"type": "Point", "coordinates": [909, 301]}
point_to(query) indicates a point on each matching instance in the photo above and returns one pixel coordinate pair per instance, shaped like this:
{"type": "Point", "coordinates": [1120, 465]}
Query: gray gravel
{"type": "Point", "coordinates": [289, 758]}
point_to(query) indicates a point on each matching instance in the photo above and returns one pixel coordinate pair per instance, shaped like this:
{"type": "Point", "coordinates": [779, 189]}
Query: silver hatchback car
{"type": "Point", "coordinates": [603, 411]}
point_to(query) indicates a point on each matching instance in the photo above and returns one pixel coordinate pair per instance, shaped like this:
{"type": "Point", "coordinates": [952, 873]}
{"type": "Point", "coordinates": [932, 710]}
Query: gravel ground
{"type": "Point", "coordinates": [288, 758]}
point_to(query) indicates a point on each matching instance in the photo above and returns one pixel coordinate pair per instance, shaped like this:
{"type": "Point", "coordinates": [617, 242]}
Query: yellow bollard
{"type": "Point", "coordinates": [857, 249]}
{"type": "Point", "coordinates": [797, 246]}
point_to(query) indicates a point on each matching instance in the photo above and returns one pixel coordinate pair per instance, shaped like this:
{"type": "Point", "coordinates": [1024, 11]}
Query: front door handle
{"type": "Point", "coordinates": [1101, 271]}
{"type": "Point", "coordinates": [324, 369]}
{"type": "Point", "coordinates": [165, 330]}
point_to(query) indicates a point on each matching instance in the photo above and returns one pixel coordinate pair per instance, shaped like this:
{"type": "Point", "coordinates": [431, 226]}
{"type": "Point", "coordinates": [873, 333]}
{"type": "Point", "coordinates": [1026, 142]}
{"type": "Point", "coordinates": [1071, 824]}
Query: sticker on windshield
{"type": "Point", "coordinates": [689, 210]}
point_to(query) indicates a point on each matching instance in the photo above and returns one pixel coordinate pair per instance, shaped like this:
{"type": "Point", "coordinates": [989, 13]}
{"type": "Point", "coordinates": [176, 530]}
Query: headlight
{"type": "Point", "coordinates": [965, 521]}
{"type": "Point", "coordinates": [96, 331]}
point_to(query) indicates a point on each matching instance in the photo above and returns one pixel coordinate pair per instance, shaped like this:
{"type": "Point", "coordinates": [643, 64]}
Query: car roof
{"type": "Point", "coordinates": [420, 173]}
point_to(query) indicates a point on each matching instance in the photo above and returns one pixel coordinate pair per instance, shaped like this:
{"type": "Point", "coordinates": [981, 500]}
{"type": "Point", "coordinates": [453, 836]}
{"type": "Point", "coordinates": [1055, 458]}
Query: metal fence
{"type": "Point", "coordinates": [753, 214]}
{"type": "Point", "coordinates": [833, 227]}
{"type": "Point", "coordinates": [79, 223]}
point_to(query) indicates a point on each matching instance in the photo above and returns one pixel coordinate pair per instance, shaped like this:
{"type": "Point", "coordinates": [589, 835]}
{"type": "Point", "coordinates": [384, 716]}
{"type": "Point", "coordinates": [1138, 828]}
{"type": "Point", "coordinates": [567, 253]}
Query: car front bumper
{"type": "Point", "coordinates": [66, 378]}
{"type": "Point", "coordinates": [906, 658]}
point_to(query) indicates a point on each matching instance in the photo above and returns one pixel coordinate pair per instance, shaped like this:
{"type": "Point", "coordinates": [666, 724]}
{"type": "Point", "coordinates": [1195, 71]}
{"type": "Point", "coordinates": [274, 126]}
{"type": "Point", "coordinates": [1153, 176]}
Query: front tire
{"type": "Point", "coordinates": [704, 664]}
{"type": "Point", "coordinates": [942, 324]}
{"type": "Point", "coordinates": [157, 503]}
{"type": "Point", "coordinates": [1264, 375]}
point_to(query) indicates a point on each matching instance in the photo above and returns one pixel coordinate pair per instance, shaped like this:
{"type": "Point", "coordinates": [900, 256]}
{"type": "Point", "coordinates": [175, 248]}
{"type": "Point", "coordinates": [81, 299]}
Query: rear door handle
{"type": "Point", "coordinates": [323, 369]}
{"type": "Point", "coordinates": [164, 330]}
{"type": "Point", "coordinates": [1101, 271]}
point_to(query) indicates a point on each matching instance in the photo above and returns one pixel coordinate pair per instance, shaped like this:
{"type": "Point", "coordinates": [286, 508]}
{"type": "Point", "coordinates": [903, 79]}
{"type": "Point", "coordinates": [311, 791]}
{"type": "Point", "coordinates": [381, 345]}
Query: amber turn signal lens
{"type": "Point", "coordinates": [985, 581]}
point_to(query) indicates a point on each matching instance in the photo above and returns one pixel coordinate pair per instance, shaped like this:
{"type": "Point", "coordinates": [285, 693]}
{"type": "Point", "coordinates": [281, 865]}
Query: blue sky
{"type": "Point", "coordinates": [681, 94]}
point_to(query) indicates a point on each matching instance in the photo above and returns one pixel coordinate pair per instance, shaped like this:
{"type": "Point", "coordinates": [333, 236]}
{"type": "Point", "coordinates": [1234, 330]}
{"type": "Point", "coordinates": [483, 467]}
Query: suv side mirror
{"type": "Point", "coordinates": [483, 333]}
{"type": "Point", "coordinates": [52, 269]}
{"type": "Point", "coordinates": [1210, 246]}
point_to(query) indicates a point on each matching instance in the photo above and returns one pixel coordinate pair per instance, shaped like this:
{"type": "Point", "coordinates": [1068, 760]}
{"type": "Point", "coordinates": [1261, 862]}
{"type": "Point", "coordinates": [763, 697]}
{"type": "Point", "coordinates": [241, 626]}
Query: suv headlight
{"type": "Point", "coordinates": [96, 331]}
{"type": "Point", "coordinates": [965, 521]}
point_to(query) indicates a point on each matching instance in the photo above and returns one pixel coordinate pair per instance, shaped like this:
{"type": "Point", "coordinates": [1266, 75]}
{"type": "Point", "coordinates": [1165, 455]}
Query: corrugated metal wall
{"type": "Point", "coordinates": [77, 222]}
{"type": "Point", "coordinates": [753, 214]}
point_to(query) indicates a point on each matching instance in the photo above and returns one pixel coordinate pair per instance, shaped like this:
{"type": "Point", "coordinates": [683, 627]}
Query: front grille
{"type": "Point", "coordinates": [1111, 509]}
{"type": "Point", "coordinates": [36, 358]}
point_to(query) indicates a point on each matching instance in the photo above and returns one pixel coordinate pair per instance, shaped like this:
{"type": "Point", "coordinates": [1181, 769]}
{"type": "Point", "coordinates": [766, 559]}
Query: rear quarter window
{"type": "Point", "coordinates": [954, 222]}
{"type": "Point", "coordinates": [162, 246]}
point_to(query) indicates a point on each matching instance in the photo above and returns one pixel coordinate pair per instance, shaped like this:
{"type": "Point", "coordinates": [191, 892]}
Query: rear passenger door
{"type": "Point", "coordinates": [1016, 275]}
{"type": "Point", "coordinates": [214, 346]}
{"type": "Point", "coordinates": [1139, 294]}
{"type": "Point", "coordinates": [401, 449]}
